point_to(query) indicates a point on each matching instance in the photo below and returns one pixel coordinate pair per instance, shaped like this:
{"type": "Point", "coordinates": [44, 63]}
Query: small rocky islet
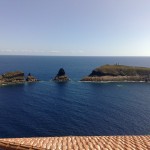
{"type": "Point", "coordinates": [16, 77]}
{"type": "Point", "coordinates": [61, 76]}
{"type": "Point", "coordinates": [31, 78]}
{"type": "Point", "coordinates": [118, 73]}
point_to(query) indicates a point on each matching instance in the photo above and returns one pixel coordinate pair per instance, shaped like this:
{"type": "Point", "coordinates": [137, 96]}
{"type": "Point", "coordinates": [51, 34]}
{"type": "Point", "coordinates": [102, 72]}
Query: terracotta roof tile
{"type": "Point", "coordinates": [77, 143]}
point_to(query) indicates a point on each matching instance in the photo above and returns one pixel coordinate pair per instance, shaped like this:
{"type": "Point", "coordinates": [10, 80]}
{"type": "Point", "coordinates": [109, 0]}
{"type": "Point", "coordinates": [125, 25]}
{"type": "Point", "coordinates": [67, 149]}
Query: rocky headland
{"type": "Point", "coordinates": [61, 76]}
{"type": "Point", "coordinates": [119, 73]}
{"type": "Point", "coordinates": [15, 78]}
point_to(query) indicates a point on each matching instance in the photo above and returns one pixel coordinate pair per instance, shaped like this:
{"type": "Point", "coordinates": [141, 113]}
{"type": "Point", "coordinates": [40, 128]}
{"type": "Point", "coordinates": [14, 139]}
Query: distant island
{"type": "Point", "coordinates": [61, 76]}
{"type": "Point", "coordinates": [105, 73]}
{"type": "Point", "coordinates": [118, 73]}
{"type": "Point", "coordinates": [15, 78]}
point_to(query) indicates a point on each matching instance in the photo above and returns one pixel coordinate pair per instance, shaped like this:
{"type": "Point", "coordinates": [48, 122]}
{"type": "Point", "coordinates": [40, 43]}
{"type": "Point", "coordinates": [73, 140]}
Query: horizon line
{"type": "Point", "coordinates": [76, 55]}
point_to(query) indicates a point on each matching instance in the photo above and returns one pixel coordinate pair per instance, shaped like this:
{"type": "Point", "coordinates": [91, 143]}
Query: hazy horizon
{"type": "Point", "coordinates": [75, 28]}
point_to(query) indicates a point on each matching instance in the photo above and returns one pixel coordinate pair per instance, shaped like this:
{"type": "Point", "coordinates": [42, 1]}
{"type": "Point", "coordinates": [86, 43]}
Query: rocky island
{"type": "Point", "coordinates": [15, 78]}
{"type": "Point", "coordinates": [31, 78]}
{"type": "Point", "coordinates": [61, 76]}
{"type": "Point", "coordinates": [119, 73]}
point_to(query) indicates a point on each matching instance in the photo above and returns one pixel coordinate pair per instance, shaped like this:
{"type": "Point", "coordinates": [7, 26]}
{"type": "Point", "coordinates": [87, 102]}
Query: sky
{"type": "Point", "coordinates": [75, 27]}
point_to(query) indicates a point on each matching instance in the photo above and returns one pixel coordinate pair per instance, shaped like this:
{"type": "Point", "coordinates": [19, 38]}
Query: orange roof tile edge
{"type": "Point", "coordinates": [78, 143]}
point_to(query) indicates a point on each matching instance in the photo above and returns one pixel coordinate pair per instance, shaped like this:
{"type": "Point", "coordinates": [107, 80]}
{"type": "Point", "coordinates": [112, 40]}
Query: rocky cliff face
{"type": "Point", "coordinates": [119, 73]}
{"type": "Point", "coordinates": [61, 76]}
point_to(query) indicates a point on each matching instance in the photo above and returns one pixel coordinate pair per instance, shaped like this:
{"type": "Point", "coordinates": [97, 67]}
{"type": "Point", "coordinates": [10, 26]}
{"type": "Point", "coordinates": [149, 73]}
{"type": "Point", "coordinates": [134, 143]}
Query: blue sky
{"type": "Point", "coordinates": [75, 27]}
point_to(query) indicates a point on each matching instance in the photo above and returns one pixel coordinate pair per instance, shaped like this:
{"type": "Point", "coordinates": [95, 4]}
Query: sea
{"type": "Point", "coordinates": [49, 108]}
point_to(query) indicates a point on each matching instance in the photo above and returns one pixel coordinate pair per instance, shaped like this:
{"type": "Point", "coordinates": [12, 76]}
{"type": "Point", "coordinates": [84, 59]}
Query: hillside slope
{"type": "Point", "coordinates": [119, 73]}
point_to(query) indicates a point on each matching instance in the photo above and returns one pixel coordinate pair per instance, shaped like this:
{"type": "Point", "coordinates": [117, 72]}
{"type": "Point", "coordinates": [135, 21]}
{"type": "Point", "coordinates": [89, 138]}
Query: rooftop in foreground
{"type": "Point", "coordinates": [78, 143]}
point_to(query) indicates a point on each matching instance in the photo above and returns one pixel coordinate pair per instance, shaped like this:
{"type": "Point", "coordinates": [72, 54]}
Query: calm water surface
{"type": "Point", "coordinates": [47, 108]}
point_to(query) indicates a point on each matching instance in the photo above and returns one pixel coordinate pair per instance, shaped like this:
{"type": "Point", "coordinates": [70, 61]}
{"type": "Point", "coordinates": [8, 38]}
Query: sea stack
{"type": "Point", "coordinates": [31, 78]}
{"type": "Point", "coordinates": [61, 76]}
{"type": "Point", "coordinates": [119, 73]}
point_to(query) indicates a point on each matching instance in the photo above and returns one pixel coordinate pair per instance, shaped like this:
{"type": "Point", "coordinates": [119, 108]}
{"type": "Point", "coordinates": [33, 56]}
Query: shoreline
{"type": "Point", "coordinates": [114, 81]}
{"type": "Point", "coordinates": [18, 83]}
{"type": "Point", "coordinates": [49, 81]}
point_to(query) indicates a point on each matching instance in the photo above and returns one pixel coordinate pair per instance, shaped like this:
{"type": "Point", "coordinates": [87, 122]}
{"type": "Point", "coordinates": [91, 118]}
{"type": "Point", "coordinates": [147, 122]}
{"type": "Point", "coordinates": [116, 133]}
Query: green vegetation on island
{"type": "Point", "coordinates": [119, 73]}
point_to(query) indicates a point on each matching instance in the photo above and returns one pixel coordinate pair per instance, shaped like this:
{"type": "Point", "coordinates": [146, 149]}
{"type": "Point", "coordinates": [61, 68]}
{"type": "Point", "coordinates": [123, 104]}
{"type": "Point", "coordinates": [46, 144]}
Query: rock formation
{"type": "Point", "coordinates": [119, 73]}
{"type": "Point", "coordinates": [31, 78]}
{"type": "Point", "coordinates": [15, 78]}
{"type": "Point", "coordinates": [12, 77]}
{"type": "Point", "coordinates": [61, 76]}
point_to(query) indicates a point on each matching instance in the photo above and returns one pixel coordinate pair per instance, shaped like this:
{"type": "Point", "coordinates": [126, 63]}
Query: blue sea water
{"type": "Point", "coordinates": [48, 108]}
